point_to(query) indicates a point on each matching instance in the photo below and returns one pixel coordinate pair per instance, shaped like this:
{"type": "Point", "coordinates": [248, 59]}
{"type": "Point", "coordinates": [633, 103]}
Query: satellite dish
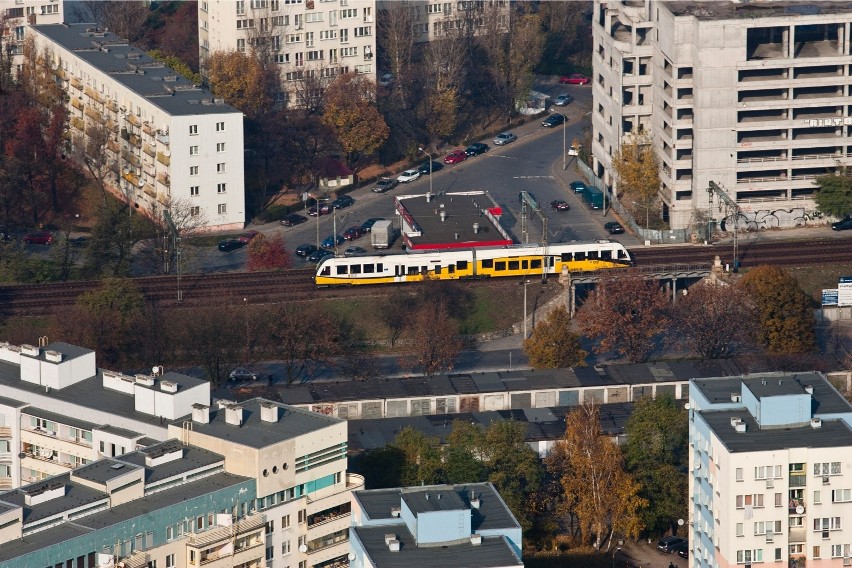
{"type": "Point", "coordinates": [800, 510]}
{"type": "Point", "coordinates": [351, 556]}
{"type": "Point", "coordinates": [686, 406]}
{"type": "Point", "coordinates": [680, 522]}
{"type": "Point", "coordinates": [303, 548]}
{"type": "Point", "coordinates": [155, 368]}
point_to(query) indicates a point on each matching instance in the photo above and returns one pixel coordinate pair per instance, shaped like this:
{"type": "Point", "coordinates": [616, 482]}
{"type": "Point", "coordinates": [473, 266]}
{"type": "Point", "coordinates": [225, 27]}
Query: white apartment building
{"type": "Point", "coordinates": [17, 15]}
{"type": "Point", "coordinates": [770, 461]}
{"type": "Point", "coordinates": [174, 145]}
{"type": "Point", "coordinates": [309, 39]}
{"type": "Point", "coordinates": [753, 96]}
{"type": "Point", "coordinates": [437, 19]}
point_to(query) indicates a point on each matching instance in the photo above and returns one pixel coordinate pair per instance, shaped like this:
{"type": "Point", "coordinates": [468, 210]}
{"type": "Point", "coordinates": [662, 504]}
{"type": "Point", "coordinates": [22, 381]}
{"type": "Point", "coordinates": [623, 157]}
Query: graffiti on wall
{"type": "Point", "coordinates": [758, 219]}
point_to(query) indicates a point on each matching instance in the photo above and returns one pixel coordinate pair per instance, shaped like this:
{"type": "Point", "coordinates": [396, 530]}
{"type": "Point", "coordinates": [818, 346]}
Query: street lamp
{"type": "Point", "coordinates": [647, 211]}
{"type": "Point", "coordinates": [318, 200]}
{"type": "Point", "coordinates": [430, 168]}
{"type": "Point", "coordinates": [525, 307]}
{"type": "Point", "coordinates": [564, 128]}
{"type": "Point", "coordinates": [614, 552]}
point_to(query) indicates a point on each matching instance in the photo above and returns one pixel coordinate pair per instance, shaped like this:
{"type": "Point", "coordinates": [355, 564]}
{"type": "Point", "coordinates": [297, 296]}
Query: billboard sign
{"type": "Point", "coordinates": [844, 291]}
{"type": "Point", "coordinates": [829, 296]}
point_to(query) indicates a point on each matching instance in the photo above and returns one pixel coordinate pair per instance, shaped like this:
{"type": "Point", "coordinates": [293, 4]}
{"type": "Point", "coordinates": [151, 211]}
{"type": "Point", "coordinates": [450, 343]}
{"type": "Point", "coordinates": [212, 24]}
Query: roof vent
{"type": "Point", "coordinates": [168, 386]}
{"type": "Point", "coordinates": [234, 414]}
{"type": "Point", "coordinates": [475, 228]}
{"type": "Point", "coordinates": [427, 496]}
{"type": "Point", "coordinates": [31, 350]}
{"type": "Point", "coordinates": [145, 380]}
{"type": "Point", "coordinates": [735, 397]}
{"type": "Point", "coordinates": [735, 420]}
{"type": "Point", "coordinates": [443, 215]}
{"type": "Point", "coordinates": [53, 356]}
{"type": "Point", "coordinates": [200, 413]}
{"type": "Point", "coordinates": [816, 422]}
{"type": "Point", "coordinates": [740, 426]}
{"type": "Point", "coordinates": [117, 466]}
{"type": "Point", "coordinates": [476, 539]}
{"type": "Point", "coordinates": [268, 412]}
{"type": "Point", "coordinates": [809, 389]}
{"type": "Point", "coordinates": [395, 511]}
{"type": "Point", "coordinates": [393, 545]}
{"type": "Point", "coordinates": [389, 537]}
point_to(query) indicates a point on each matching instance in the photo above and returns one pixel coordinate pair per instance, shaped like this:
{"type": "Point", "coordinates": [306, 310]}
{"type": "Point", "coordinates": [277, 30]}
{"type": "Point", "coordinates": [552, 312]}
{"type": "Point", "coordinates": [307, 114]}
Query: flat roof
{"type": "Point", "coordinates": [492, 513]}
{"type": "Point", "coordinates": [192, 458]}
{"type": "Point", "coordinates": [104, 470]}
{"type": "Point", "coordinates": [76, 495]}
{"type": "Point", "coordinates": [12, 402]}
{"type": "Point", "coordinates": [493, 552]}
{"type": "Point", "coordinates": [462, 211]}
{"type": "Point", "coordinates": [123, 432]}
{"type": "Point", "coordinates": [68, 351]}
{"type": "Point", "coordinates": [725, 9]}
{"type": "Point", "coordinates": [133, 68]}
{"type": "Point", "coordinates": [437, 499]}
{"type": "Point", "coordinates": [832, 433]}
{"type": "Point", "coordinates": [826, 400]}
{"type": "Point", "coordinates": [256, 433]}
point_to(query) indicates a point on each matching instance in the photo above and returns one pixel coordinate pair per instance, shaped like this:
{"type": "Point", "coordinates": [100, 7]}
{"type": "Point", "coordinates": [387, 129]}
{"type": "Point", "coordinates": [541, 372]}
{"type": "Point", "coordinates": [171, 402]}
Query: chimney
{"type": "Point", "coordinates": [53, 356]}
{"type": "Point", "coordinates": [234, 414]}
{"type": "Point", "coordinates": [439, 495]}
{"type": "Point", "coordinates": [389, 537]}
{"type": "Point", "coordinates": [395, 512]}
{"type": "Point", "coordinates": [443, 215]}
{"type": "Point", "coordinates": [146, 380]}
{"type": "Point", "coordinates": [476, 539]}
{"type": "Point", "coordinates": [428, 196]}
{"type": "Point", "coordinates": [474, 501]}
{"type": "Point", "coordinates": [201, 413]}
{"type": "Point", "coordinates": [30, 350]}
{"type": "Point", "coordinates": [393, 545]}
{"type": "Point", "coordinates": [268, 412]}
{"type": "Point", "coordinates": [427, 496]}
{"type": "Point", "coordinates": [168, 386]}
{"type": "Point", "coordinates": [809, 389]}
{"type": "Point", "coordinates": [816, 422]}
{"type": "Point", "coordinates": [475, 228]}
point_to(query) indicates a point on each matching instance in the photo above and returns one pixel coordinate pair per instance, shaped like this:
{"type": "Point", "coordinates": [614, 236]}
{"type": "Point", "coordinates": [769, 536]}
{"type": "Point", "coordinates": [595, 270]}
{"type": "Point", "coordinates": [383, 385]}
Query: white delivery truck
{"type": "Point", "coordinates": [382, 234]}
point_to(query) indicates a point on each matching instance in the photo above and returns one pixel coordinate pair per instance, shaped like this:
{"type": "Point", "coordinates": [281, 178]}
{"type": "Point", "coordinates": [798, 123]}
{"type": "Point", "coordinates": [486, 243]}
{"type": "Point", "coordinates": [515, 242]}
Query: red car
{"type": "Point", "coordinates": [353, 233]}
{"type": "Point", "coordinates": [247, 237]}
{"type": "Point", "coordinates": [39, 238]}
{"type": "Point", "coordinates": [455, 157]}
{"type": "Point", "coordinates": [575, 79]}
{"type": "Point", "coordinates": [324, 209]}
{"type": "Point", "coordinates": [560, 205]}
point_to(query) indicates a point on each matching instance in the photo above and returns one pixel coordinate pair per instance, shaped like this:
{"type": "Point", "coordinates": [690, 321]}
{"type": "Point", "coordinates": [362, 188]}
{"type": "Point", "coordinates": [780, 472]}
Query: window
{"type": "Point", "coordinates": [270, 552]}
{"type": "Point", "coordinates": [315, 55]}
{"type": "Point", "coordinates": [313, 17]}
{"type": "Point", "coordinates": [841, 495]}
{"type": "Point", "coordinates": [328, 34]}
{"type": "Point", "coordinates": [270, 527]}
{"type": "Point", "coordinates": [362, 69]}
{"type": "Point", "coordinates": [193, 190]}
{"type": "Point", "coordinates": [363, 31]}
{"type": "Point", "coordinates": [170, 561]}
{"type": "Point", "coordinates": [223, 208]}
{"type": "Point", "coordinates": [767, 472]}
{"type": "Point", "coordinates": [767, 527]}
{"type": "Point", "coordinates": [285, 547]}
{"type": "Point", "coordinates": [293, 38]}
{"type": "Point", "coordinates": [302, 516]}
{"type": "Point", "coordinates": [241, 7]}
{"type": "Point", "coordinates": [344, 36]}
{"type": "Point", "coordinates": [827, 524]}
{"type": "Point", "coordinates": [241, 45]}
{"type": "Point", "coordinates": [754, 500]}
{"type": "Point", "coordinates": [193, 150]}
{"type": "Point", "coordinates": [816, 552]}
{"type": "Point", "coordinates": [797, 548]}
{"type": "Point", "coordinates": [220, 146]}
{"type": "Point", "coordinates": [220, 168]}
{"type": "Point", "coordinates": [739, 529]}
{"type": "Point", "coordinates": [779, 500]}
{"type": "Point", "coordinates": [220, 127]}
{"type": "Point", "coordinates": [739, 474]}
{"type": "Point", "coordinates": [194, 211]}
{"type": "Point", "coordinates": [193, 129]}
{"type": "Point", "coordinates": [221, 187]}
{"type": "Point", "coordinates": [348, 51]}
{"type": "Point", "coordinates": [193, 170]}
{"type": "Point", "coordinates": [749, 556]}
{"type": "Point", "coordinates": [245, 24]}
{"type": "Point", "coordinates": [433, 9]}
{"type": "Point", "coordinates": [836, 550]}
{"type": "Point", "coordinates": [348, 13]}
{"type": "Point", "coordinates": [817, 498]}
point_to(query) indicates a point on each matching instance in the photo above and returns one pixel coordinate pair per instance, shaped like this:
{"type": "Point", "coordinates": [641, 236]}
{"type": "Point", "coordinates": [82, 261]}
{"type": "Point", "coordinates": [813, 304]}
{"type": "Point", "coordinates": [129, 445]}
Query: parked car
{"type": "Point", "coordinates": [683, 551]}
{"type": "Point", "coordinates": [408, 176]}
{"type": "Point", "coordinates": [331, 240]}
{"type": "Point", "coordinates": [5, 234]}
{"type": "Point", "coordinates": [560, 205]}
{"type": "Point", "coordinates": [563, 100]}
{"type": "Point", "coordinates": [243, 374]}
{"type": "Point", "coordinates": [319, 254]}
{"type": "Point", "coordinates": [293, 219]}
{"type": "Point", "coordinates": [368, 224]}
{"type": "Point", "coordinates": [78, 242]}
{"type": "Point", "coordinates": [476, 149]}
{"type": "Point", "coordinates": [354, 251]}
{"type": "Point", "coordinates": [39, 238]}
{"type": "Point", "coordinates": [230, 244]}
{"type": "Point", "coordinates": [455, 157]}
{"type": "Point", "coordinates": [342, 202]}
{"type": "Point", "coordinates": [386, 80]}
{"type": "Point", "coordinates": [424, 168]}
{"type": "Point", "coordinates": [667, 543]}
{"type": "Point", "coordinates": [614, 228]}
{"type": "Point", "coordinates": [504, 138]}
{"type": "Point", "coordinates": [324, 209]}
{"type": "Point", "coordinates": [385, 184]}
{"type": "Point", "coordinates": [353, 233]}
{"type": "Point", "coordinates": [305, 250]}
{"type": "Point", "coordinates": [578, 186]}
{"type": "Point", "coordinates": [574, 79]}
{"type": "Point", "coordinates": [553, 120]}
{"type": "Point", "coordinates": [842, 225]}
{"type": "Point", "coordinates": [246, 237]}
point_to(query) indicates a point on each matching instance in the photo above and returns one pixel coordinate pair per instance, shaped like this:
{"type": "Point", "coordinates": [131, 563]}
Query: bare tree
{"type": "Point", "coordinates": [396, 36]}
{"type": "Point", "coordinates": [124, 19]}
{"type": "Point", "coordinates": [435, 340]}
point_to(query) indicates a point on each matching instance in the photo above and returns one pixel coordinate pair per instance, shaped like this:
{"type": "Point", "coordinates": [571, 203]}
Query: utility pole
{"type": "Point", "coordinates": [176, 244]}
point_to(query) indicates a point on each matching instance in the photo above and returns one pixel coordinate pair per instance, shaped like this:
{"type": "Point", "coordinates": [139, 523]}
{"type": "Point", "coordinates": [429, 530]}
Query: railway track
{"type": "Point", "coordinates": [297, 284]}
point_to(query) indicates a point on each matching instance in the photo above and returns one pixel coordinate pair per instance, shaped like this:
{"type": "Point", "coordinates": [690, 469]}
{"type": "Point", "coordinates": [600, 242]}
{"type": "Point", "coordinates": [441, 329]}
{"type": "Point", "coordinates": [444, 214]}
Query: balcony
{"type": "Point", "coordinates": [77, 83]}
{"type": "Point", "coordinates": [798, 481]}
{"type": "Point", "coordinates": [795, 505]}
{"type": "Point", "coordinates": [94, 115]}
{"type": "Point", "coordinates": [148, 149]}
{"type": "Point", "coordinates": [163, 159]}
{"type": "Point", "coordinates": [5, 482]}
{"type": "Point", "coordinates": [224, 546]}
{"type": "Point", "coordinates": [328, 541]}
{"type": "Point", "coordinates": [354, 482]}
{"type": "Point", "coordinates": [164, 179]}
{"type": "Point", "coordinates": [5, 431]}
{"type": "Point", "coordinates": [798, 534]}
{"type": "Point", "coordinates": [77, 103]}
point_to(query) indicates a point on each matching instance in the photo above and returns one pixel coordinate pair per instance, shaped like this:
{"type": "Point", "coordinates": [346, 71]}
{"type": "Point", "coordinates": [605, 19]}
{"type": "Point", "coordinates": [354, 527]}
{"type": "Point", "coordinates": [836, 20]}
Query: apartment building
{"type": "Point", "coordinates": [753, 96]}
{"type": "Point", "coordinates": [438, 525]}
{"type": "Point", "coordinates": [171, 144]}
{"type": "Point", "coordinates": [770, 472]}
{"type": "Point", "coordinates": [311, 40]}
{"type": "Point", "coordinates": [437, 19]}
{"type": "Point", "coordinates": [16, 15]}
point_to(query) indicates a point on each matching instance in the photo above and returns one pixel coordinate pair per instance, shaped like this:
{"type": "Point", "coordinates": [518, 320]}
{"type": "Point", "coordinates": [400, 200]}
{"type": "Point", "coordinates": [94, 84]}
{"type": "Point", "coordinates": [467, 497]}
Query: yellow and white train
{"type": "Point", "coordinates": [515, 260]}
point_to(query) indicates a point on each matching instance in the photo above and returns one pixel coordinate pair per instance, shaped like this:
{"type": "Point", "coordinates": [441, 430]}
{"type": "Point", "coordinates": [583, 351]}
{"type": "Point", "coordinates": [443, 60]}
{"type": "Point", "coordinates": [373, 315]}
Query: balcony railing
{"type": "Point", "coordinates": [5, 431]}
{"type": "Point", "coordinates": [328, 519]}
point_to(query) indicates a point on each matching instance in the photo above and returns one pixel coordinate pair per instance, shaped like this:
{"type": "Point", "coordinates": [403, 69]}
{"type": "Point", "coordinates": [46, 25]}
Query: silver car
{"type": "Point", "coordinates": [504, 138]}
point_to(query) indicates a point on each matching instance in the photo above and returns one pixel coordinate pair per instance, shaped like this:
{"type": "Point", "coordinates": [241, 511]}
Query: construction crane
{"type": "Point", "coordinates": [730, 206]}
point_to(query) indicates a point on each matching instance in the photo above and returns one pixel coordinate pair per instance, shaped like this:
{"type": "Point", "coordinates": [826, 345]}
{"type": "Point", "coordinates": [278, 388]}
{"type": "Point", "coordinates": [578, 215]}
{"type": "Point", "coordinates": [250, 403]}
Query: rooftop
{"type": "Point", "coordinates": [725, 9]}
{"type": "Point", "coordinates": [493, 552]}
{"type": "Point", "coordinates": [104, 470]}
{"type": "Point", "coordinates": [255, 433]}
{"type": "Point", "coordinates": [131, 67]}
{"type": "Point", "coordinates": [68, 351]}
{"type": "Point", "coordinates": [832, 433]}
{"type": "Point", "coordinates": [438, 499]}
{"type": "Point", "coordinates": [465, 223]}
{"type": "Point", "coordinates": [193, 458]}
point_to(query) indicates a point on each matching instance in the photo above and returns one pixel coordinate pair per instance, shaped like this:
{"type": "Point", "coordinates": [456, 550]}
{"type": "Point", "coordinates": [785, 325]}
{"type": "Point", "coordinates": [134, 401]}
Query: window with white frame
{"type": "Point", "coordinates": [764, 527]}
{"type": "Point", "coordinates": [170, 561]}
{"type": "Point", "coordinates": [274, 5]}
{"type": "Point", "coordinates": [241, 45]}
{"type": "Point", "coordinates": [826, 468]}
{"type": "Point", "coordinates": [220, 147]}
{"type": "Point", "coordinates": [816, 552]}
{"type": "Point", "coordinates": [194, 190]}
{"type": "Point", "coordinates": [753, 500]}
{"type": "Point", "coordinates": [363, 31]}
{"type": "Point", "coordinates": [193, 170]}
{"type": "Point", "coordinates": [309, 39]}
{"type": "Point", "coordinates": [311, 17]}
{"type": "Point", "coordinates": [434, 9]}
{"type": "Point", "coordinates": [220, 127]}
{"type": "Point", "coordinates": [241, 7]}
{"type": "Point", "coordinates": [348, 13]}
{"type": "Point", "coordinates": [315, 55]}
{"type": "Point", "coordinates": [740, 529]}
{"type": "Point", "coordinates": [767, 472]}
{"type": "Point", "coordinates": [193, 150]}
{"type": "Point", "coordinates": [194, 211]}
{"type": "Point", "coordinates": [294, 38]}
{"type": "Point", "coordinates": [749, 556]}
{"type": "Point", "coordinates": [344, 35]}
{"type": "Point", "coordinates": [220, 168]}
{"type": "Point", "coordinates": [285, 547]}
{"type": "Point", "coordinates": [827, 524]}
{"type": "Point", "coordinates": [299, 59]}
{"type": "Point", "coordinates": [245, 24]}
{"type": "Point", "coordinates": [817, 498]}
{"type": "Point", "coordinates": [221, 187]}
{"type": "Point", "coordinates": [280, 21]}
{"type": "Point", "coordinates": [328, 34]}
{"type": "Point", "coordinates": [362, 69]}
{"type": "Point", "coordinates": [193, 129]}
{"type": "Point", "coordinates": [285, 522]}
{"type": "Point", "coordinates": [223, 208]}
{"type": "Point", "coordinates": [836, 550]}
{"type": "Point", "coordinates": [348, 52]}
{"type": "Point", "coordinates": [841, 495]}
{"type": "Point", "coordinates": [739, 474]}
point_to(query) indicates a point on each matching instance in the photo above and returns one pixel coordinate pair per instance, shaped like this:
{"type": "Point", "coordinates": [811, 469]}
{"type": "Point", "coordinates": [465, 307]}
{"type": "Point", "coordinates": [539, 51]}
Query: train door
{"type": "Point", "coordinates": [399, 272]}
{"type": "Point", "coordinates": [473, 267]}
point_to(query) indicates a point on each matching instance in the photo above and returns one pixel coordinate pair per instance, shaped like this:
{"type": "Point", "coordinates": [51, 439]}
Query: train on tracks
{"type": "Point", "coordinates": [486, 262]}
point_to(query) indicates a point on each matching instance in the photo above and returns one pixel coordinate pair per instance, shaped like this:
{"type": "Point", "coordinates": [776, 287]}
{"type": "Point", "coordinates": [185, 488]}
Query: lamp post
{"type": "Point", "coordinates": [525, 307]}
{"type": "Point", "coordinates": [647, 210]}
{"type": "Point", "coordinates": [614, 552]}
{"type": "Point", "coordinates": [564, 147]}
{"type": "Point", "coordinates": [430, 168]}
{"type": "Point", "coordinates": [318, 200]}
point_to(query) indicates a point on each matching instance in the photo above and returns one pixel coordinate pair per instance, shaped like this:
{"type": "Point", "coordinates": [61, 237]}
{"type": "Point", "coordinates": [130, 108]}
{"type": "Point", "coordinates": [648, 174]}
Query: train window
{"type": "Point", "coordinates": [437, 269]}
{"type": "Point", "coordinates": [341, 270]}
{"type": "Point", "coordinates": [579, 256]}
{"type": "Point", "coordinates": [451, 269]}
{"type": "Point", "coordinates": [525, 264]}
{"type": "Point", "coordinates": [593, 254]}
{"type": "Point", "coordinates": [462, 264]}
{"type": "Point", "coordinates": [326, 271]}
{"type": "Point", "coordinates": [487, 263]}
{"type": "Point", "coordinates": [606, 254]}
{"type": "Point", "coordinates": [535, 263]}
{"type": "Point", "coordinates": [566, 257]}
{"type": "Point", "coordinates": [501, 265]}
{"type": "Point", "coordinates": [514, 265]}
{"type": "Point", "coordinates": [412, 270]}
{"type": "Point", "coordinates": [369, 269]}
{"type": "Point", "coordinates": [380, 267]}
{"type": "Point", "coordinates": [355, 269]}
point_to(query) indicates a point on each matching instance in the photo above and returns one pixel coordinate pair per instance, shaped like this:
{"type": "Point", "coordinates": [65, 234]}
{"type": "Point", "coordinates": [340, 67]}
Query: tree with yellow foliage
{"type": "Point", "coordinates": [351, 113]}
